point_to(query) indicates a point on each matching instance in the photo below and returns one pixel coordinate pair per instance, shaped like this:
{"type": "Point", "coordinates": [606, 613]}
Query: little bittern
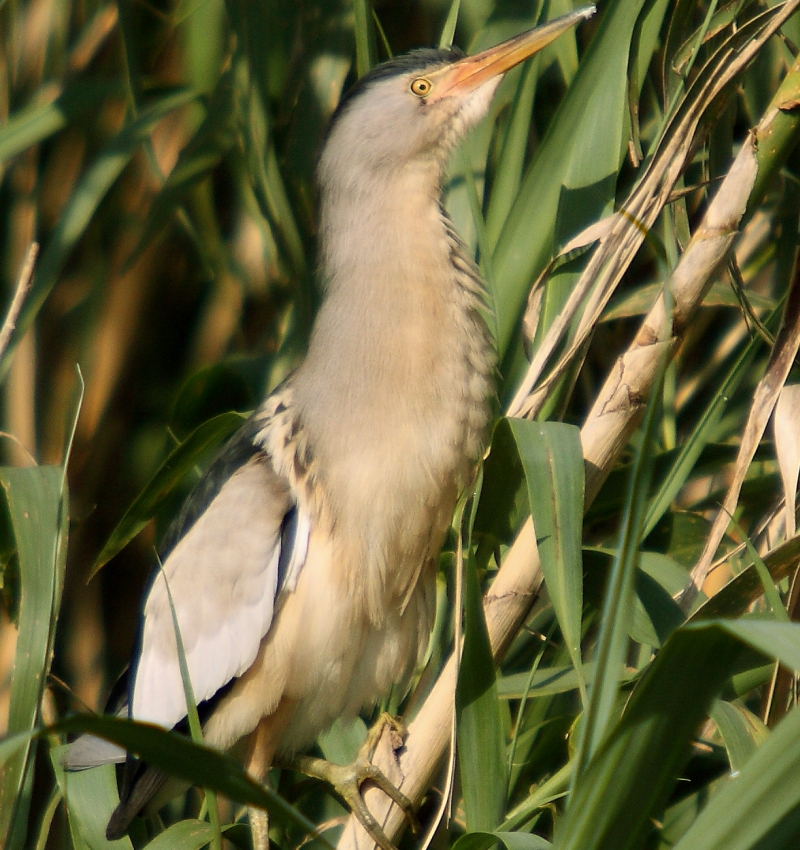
{"type": "Point", "coordinates": [302, 567]}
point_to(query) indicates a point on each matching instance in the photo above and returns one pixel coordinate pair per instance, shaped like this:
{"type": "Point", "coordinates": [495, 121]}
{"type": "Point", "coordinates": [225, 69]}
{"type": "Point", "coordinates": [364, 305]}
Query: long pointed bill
{"type": "Point", "coordinates": [469, 73]}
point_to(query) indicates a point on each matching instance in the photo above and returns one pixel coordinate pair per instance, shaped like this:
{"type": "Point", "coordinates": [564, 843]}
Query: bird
{"type": "Point", "coordinates": [302, 565]}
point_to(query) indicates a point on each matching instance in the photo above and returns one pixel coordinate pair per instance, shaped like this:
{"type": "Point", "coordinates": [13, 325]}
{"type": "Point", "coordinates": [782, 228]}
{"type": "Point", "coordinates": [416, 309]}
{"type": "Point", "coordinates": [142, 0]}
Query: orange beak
{"type": "Point", "coordinates": [470, 73]}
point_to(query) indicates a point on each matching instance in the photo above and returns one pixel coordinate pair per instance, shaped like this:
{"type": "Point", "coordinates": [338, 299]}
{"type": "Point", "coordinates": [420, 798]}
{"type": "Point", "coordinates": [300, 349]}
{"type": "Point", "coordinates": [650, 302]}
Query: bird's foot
{"type": "Point", "coordinates": [347, 780]}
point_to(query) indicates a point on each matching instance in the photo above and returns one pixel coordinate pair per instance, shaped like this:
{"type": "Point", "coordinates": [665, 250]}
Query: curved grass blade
{"type": "Point", "coordinates": [758, 807]}
{"type": "Point", "coordinates": [741, 731]}
{"type": "Point", "coordinates": [37, 500]}
{"type": "Point", "coordinates": [737, 595]}
{"type": "Point", "coordinates": [509, 840]}
{"type": "Point", "coordinates": [194, 763]}
{"type": "Point", "coordinates": [37, 123]}
{"type": "Point", "coordinates": [179, 461]}
{"type": "Point", "coordinates": [184, 835]}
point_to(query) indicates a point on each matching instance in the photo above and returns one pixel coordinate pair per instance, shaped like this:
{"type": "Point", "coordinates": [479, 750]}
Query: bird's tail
{"type": "Point", "coordinates": [140, 785]}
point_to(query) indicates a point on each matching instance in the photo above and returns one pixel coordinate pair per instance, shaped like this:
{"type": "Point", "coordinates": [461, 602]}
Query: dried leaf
{"type": "Point", "coordinates": [786, 427]}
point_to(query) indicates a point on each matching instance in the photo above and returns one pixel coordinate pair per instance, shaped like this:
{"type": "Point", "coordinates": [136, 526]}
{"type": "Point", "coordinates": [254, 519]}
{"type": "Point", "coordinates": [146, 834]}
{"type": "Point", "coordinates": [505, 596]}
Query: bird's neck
{"type": "Point", "coordinates": [387, 278]}
{"type": "Point", "coordinates": [381, 231]}
{"type": "Point", "coordinates": [396, 382]}
{"type": "Point", "coordinates": [399, 349]}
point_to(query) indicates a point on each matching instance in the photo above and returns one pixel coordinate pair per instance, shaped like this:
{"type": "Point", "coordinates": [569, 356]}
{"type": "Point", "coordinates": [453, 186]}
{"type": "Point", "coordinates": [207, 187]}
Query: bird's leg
{"type": "Point", "coordinates": [347, 780]}
{"type": "Point", "coordinates": [261, 749]}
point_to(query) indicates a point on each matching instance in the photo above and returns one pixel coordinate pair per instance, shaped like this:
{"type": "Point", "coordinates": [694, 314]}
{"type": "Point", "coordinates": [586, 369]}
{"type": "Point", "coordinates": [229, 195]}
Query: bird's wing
{"type": "Point", "coordinates": [240, 538]}
{"type": "Point", "coordinates": [89, 751]}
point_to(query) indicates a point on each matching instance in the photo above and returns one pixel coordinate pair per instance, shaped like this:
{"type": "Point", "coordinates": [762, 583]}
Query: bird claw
{"type": "Point", "coordinates": [347, 780]}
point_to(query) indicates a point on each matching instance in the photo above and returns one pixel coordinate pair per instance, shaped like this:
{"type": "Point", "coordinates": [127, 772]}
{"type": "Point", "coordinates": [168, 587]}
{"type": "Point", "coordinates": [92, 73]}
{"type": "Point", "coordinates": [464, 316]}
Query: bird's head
{"type": "Point", "coordinates": [415, 108]}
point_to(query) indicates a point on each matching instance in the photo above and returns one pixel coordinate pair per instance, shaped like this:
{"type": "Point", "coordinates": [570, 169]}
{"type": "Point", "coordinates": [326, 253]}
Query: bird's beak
{"type": "Point", "coordinates": [469, 73]}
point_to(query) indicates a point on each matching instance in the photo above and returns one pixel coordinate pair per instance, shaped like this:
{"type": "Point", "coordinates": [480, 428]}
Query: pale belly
{"type": "Point", "coordinates": [325, 657]}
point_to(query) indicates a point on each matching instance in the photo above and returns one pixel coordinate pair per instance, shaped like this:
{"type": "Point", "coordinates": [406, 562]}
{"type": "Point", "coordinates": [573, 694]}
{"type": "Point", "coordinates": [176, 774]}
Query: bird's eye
{"type": "Point", "coordinates": [421, 87]}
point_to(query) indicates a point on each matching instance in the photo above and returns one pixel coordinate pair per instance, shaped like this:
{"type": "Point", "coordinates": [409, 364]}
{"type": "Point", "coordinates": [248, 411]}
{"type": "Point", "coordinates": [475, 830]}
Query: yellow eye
{"type": "Point", "coordinates": [421, 87]}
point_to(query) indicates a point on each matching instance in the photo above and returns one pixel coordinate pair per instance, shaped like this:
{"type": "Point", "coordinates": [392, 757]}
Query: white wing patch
{"type": "Point", "coordinates": [223, 577]}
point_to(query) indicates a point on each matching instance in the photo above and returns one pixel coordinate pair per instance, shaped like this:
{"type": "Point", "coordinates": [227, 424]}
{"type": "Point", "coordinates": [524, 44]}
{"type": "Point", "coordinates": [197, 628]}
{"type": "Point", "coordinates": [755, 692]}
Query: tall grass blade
{"type": "Point", "coordinates": [612, 642]}
{"type": "Point", "coordinates": [553, 460]}
{"type": "Point", "coordinates": [365, 36]}
{"type": "Point", "coordinates": [90, 796]}
{"type": "Point", "coordinates": [572, 179]}
{"type": "Point", "coordinates": [34, 500]}
{"type": "Point", "coordinates": [632, 773]}
{"type": "Point", "coordinates": [481, 742]}
{"type": "Point", "coordinates": [449, 28]}
{"type": "Point", "coordinates": [741, 731]}
{"type": "Point", "coordinates": [83, 204]}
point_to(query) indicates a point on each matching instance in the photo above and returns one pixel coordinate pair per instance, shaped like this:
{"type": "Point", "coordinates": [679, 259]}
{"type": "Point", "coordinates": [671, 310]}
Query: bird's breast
{"type": "Point", "coordinates": [394, 395]}
{"type": "Point", "coordinates": [397, 443]}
